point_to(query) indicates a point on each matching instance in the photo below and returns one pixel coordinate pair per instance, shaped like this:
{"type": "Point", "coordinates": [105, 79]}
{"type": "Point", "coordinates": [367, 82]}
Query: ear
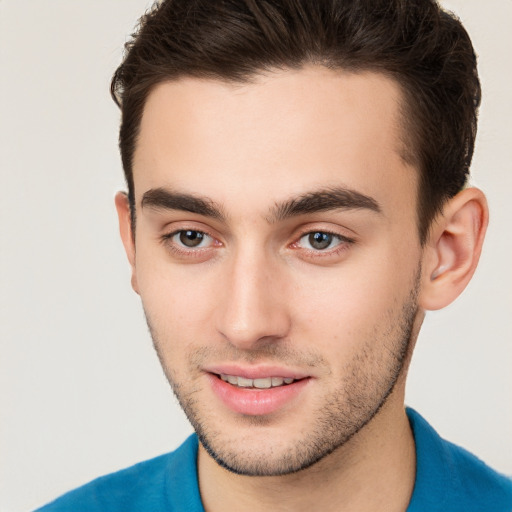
{"type": "Point", "coordinates": [453, 248]}
{"type": "Point", "coordinates": [125, 230]}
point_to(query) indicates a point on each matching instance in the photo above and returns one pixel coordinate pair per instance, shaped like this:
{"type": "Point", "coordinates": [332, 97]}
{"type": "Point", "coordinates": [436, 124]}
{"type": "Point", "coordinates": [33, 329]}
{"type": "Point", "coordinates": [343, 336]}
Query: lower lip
{"type": "Point", "coordinates": [256, 402]}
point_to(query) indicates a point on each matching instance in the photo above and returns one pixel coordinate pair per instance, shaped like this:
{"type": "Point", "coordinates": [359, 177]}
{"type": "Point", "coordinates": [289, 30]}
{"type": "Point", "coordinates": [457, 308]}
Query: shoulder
{"type": "Point", "coordinates": [480, 484]}
{"type": "Point", "coordinates": [450, 478]}
{"type": "Point", "coordinates": [155, 485]}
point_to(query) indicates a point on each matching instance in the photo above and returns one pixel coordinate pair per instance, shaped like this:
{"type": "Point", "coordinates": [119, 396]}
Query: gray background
{"type": "Point", "coordinates": [81, 392]}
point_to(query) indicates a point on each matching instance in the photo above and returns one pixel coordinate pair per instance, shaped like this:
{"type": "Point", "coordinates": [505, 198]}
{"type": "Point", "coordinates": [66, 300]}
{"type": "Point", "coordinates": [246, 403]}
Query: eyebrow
{"type": "Point", "coordinates": [335, 198]}
{"type": "Point", "coordinates": [163, 199]}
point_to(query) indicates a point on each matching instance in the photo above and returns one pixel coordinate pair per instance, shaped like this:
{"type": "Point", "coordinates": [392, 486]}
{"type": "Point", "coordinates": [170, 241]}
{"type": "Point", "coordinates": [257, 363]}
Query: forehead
{"type": "Point", "coordinates": [283, 133]}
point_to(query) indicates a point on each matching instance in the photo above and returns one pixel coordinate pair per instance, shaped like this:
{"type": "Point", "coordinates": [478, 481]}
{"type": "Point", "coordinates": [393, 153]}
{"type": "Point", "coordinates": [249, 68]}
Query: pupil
{"type": "Point", "coordinates": [191, 238]}
{"type": "Point", "coordinates": [320, 240]}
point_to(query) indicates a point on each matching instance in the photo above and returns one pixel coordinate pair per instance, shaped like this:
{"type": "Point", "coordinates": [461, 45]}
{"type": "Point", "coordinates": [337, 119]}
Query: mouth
{"type": "Point", "coordinates": [261, 383]}
{"type": "Point", "coordinates": [257, 391]}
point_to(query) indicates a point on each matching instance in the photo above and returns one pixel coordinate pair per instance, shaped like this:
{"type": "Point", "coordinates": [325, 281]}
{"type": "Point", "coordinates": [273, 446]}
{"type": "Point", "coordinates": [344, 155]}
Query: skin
{"type": "Point", "coordinates": [256, 292]}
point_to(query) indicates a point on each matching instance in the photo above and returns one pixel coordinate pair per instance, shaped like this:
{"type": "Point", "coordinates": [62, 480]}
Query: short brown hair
{"type": "Point", "coordinates": [424, 48]}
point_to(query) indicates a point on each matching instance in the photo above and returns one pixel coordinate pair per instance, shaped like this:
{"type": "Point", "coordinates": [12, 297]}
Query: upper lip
{"type": "Point", "coordinates": [256, 372]}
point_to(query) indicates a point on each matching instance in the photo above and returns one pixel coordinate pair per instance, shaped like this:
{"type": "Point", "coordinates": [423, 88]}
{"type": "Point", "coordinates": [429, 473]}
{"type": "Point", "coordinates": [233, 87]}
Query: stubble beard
{"type": "Point", "coordinates": [342, 416]}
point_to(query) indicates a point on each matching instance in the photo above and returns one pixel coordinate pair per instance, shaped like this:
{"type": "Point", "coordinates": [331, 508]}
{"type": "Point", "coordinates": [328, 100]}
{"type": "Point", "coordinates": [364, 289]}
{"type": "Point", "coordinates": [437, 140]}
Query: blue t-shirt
{"type": "Point", "coordinates": [448, 479]}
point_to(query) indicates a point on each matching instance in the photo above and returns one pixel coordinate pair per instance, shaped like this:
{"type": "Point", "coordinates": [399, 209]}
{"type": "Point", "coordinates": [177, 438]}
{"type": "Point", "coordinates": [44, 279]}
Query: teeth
{"type": "Point", "coordinates": [266, 383]}
{"type": "Point", "coordinates": [262, 383]}
{"type": "Point", "coordinates": [244, 383]}
{"type": "Point", "coordinates": [277, 381]}
{"type": "Point", "coordinates": [233, 380]}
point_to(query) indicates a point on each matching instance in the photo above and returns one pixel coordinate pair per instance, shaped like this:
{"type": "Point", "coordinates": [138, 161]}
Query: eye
{"type": "Point", "coordinates": [190, 239]}
{"type": "Point", "coordinates": [320, 240]}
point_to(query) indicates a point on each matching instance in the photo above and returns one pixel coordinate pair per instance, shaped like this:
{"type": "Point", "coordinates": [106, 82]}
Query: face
{"type": "Point", "coordinates": [277, 258]}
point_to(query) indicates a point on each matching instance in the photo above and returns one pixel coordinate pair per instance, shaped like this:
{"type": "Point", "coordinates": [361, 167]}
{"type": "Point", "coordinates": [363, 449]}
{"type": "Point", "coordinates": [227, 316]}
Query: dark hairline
{"type": "Point", "coordinates": [423, 47]}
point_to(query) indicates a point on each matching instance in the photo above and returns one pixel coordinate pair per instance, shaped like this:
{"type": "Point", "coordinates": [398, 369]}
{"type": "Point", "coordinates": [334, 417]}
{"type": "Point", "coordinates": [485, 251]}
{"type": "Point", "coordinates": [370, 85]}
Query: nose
{"type": "Point", "coordinates": [253, 309]}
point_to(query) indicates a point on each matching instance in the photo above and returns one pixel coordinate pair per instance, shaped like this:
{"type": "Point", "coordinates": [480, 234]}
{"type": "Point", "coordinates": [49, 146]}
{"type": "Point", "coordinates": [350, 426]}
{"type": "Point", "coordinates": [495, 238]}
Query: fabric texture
{"type": "Point", "coordinates": [448, 479]}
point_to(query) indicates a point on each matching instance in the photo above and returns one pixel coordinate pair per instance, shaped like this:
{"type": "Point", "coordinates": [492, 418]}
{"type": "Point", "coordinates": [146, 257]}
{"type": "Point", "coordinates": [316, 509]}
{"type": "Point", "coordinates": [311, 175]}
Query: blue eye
{"type": "Point", "coordinates": [320, 240]}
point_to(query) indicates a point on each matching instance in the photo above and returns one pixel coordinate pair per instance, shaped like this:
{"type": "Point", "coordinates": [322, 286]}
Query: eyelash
{"type": "Point", "coordinates": [342, 246]}
{"type": "Point", "coordinates": [182, 251]}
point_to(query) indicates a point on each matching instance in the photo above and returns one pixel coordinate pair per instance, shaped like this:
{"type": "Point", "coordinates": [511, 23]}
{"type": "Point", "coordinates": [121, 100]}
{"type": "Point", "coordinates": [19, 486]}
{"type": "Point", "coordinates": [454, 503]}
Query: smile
{"type": "Point", "coordinates": [264, 383]}
{"type": "Point", "coordinates": [259, 395]}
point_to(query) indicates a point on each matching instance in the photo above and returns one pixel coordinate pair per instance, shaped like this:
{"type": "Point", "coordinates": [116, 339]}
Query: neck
{"type": "Point", "coordinates": [375, 470]}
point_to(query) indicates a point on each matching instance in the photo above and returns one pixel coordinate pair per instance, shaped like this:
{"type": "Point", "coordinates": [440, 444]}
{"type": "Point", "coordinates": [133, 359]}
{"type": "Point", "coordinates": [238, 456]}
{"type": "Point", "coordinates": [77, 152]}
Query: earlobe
{"type": "Point", "coordinates": [453, 248]}
{"type": "Point", "coordinates": [125, 230]}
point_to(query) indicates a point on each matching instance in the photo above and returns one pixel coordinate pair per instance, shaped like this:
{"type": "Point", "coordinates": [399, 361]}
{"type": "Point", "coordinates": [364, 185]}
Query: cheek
{"type": "Point", "coordinates": [355, 301]}
{"type": "Point", "coordinates": [177, 301]}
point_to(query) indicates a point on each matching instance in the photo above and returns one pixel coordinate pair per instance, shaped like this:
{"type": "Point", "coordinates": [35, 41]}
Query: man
{"type": "Point", "coordinates": [296, 202]}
